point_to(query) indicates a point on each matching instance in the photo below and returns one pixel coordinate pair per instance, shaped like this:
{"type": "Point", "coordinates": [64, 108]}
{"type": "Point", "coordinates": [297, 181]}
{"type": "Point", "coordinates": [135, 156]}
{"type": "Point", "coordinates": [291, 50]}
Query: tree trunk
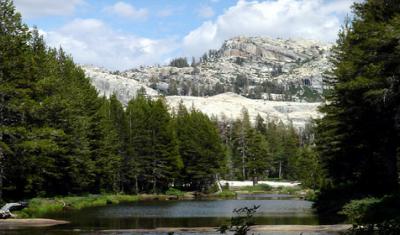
{"type": "Point", "coordinates": [136, 185]}
{"type": "Point", "coordinates": [218, 183]}
{"type": "Point", "coordinates": [255, 181]}
{"type": "Point", "coordinates": [1, 172]}
{"type": "Point", "coordinates": [243, 168]}
{"type": "Point", "coordinates": [154, 185]}
{"type": "Point", "coordinates": [255, 178]}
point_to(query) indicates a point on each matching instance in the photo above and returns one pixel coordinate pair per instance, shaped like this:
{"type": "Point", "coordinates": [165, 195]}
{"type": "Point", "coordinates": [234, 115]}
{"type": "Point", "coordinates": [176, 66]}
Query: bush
{"type": "Point", "coordinates": [174, 192]}
{"type": "Point", "coordinates": [38, 207]}
{"type": "Point", "coordinates": [257, 188]}
{"type": "Point", "coordinates": [213, 188]}
{"type": "Point", "coordinates": [358, 212]}
{"type": "Point", "coordinates": [311, 195]}
{"type": "Point", "coordinates": [381, 215]}
{"type": "Point", "coordinates": [227, 194]}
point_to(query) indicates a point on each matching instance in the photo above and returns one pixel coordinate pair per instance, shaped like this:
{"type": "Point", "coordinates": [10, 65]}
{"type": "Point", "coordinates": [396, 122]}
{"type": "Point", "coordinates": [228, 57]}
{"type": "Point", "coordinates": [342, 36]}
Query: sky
{"type": "Point", "coordinates": [120, 35]}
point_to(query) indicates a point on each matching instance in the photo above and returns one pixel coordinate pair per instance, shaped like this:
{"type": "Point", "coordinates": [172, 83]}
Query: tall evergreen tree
{"type": "Point", "coordinates": [200, 147]}
{"type": "Point", "coordinates": [153, 142]}
{"type": "Point", "coordinates": [107, 154]}
{"type": "Point", "coordinates": [358, 138]}
{"type": "Point", "coordinates": [259, 159]}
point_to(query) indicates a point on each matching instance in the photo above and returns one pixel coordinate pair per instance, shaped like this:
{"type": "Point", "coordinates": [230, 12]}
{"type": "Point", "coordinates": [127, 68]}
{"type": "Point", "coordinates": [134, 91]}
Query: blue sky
{"type": "Point", "coordinates": [129, 33]}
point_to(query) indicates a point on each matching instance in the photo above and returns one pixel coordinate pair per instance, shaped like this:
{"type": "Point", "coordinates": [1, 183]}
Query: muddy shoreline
{"type": "Point", "coordinates": [11, 224]}
{"type": "Point", "coordinates": [258, 228]}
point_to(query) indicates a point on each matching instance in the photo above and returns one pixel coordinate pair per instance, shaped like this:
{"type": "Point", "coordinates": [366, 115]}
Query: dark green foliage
{"type": "Point", "coordinates": [48, 107]}
{"type": "Point", "coordinates": [358, 138]}
{"type": "Point", "coordinates": [307, 168]}
{"type": "Point", "coordinates": [269, 150]}
{"type": "Point", "coordinates": [258, 156]}
{"type": "Point", "coordinates": [240, 60]}
{"type": "Point", "coordinates": [174, 192]}
{"type": "Point", "coordinates": [374, 215]}
{"type": "Point", "coordinates": [257, 188]}
{"type": "Point", "coordinates": [107, 154]}
{"type": "Point", "coordinates": [152, 144]}
{"type": "Point", "coordinates": [200, 147]}
{"type": "Point", "coordinates": [179, 62]}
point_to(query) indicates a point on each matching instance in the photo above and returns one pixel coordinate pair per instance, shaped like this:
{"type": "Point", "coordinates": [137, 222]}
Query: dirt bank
{"type": "Point", "coordinates": [258, 228]}
{"type": "Point", "coordinates": [23, 223]}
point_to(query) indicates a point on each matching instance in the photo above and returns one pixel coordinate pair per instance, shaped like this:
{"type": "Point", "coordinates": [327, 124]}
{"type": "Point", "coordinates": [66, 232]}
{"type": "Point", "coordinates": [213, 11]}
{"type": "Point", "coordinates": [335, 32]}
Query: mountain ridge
{"type": "Point", "coordinates": [263, 69]}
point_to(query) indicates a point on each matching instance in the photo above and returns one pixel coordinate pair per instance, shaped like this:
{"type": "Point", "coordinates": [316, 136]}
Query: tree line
{"type": "Point", "coordinates": [269, 149]}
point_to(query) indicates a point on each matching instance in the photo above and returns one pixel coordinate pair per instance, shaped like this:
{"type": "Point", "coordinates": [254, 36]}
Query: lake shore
{"type": "Point", "coordinates": [257, 228]}
{"type": "Point", "coordinates": [11, 224]}
{"type": "Point", "coordinates": [39, 207]}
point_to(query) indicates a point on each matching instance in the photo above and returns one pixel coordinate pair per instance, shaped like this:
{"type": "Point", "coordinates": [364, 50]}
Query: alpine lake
{"type": "Point", "coordinates": [142, 217]}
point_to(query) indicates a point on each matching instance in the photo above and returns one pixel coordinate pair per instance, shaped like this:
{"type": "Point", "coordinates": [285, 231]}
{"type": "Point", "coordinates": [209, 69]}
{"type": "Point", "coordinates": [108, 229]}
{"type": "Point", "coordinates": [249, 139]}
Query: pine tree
{"type": "Point", "coordinates": [200, 147]}
{"type": "Point", "coordinates": [136, 116]}
{"type": "Point", "coordinates": [259, 159]}
{"type": "Point", "coordinates": [153, 143]}
{"type": "Point", "coordinates": [106, 153]}
{"type": "Point", "coordinates": [358, 137]}
{"type": "Point", "coordinates": [241, 131]}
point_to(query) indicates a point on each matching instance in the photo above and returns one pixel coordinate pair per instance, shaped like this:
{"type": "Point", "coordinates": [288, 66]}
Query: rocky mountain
{"type": "Point", "coordinates": [275, 78]}
{"type": "Point", "coordinates": [230, 105]}
{"type": "Point", "coordinates": [255, 67]}
{"type": "Point", "coordinates": [107, 83]}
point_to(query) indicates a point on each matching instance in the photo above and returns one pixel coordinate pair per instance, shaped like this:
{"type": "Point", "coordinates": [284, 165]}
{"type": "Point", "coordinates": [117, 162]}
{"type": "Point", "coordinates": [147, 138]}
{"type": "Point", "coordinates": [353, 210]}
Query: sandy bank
{"type": "Point", "coordinates": [22, 223]}
{"type": "Point", "coordinates": [258, 228]}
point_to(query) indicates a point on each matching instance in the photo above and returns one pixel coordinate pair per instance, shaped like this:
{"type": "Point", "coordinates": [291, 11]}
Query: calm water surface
{"type": "Point", "coordinates": [152, 214]}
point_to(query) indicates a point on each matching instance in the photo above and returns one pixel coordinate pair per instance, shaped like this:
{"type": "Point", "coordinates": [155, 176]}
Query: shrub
{"type": "Point", "coordinates": [38, 207]}
{"type": "Point", "coordinates": [227, 193]}
{"type": "Point", "coordinates": [258, 187]}
{"type": "Point", "coordinates": [174, 192]}
{"type": "Point", "coordinates": [381, 215]}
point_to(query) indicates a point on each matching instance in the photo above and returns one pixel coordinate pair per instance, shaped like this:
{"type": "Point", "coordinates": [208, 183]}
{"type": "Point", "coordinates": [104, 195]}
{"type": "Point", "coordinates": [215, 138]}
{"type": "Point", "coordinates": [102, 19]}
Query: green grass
{"type": "Point", "coordinates": [174, 192]}
{"type": "Point", "coordinates": [41, 206]}
{"type": "Point", "coordinates": [289, 190]}
{"type": "Point", "coordinates": [257, 188]}
{"type": "Point", "coordinates": [226, 194]}
{"type": "Point", "coordinates": [296, 191]}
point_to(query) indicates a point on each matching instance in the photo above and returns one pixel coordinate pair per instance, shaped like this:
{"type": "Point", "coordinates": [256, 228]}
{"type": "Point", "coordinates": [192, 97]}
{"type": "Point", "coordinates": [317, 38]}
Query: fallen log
{"type": "Point", "coordinates": [5, 211]}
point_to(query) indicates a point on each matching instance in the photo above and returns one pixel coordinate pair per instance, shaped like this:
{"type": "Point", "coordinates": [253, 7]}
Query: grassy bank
{"type": "Point", "coordinates": [40, 206]}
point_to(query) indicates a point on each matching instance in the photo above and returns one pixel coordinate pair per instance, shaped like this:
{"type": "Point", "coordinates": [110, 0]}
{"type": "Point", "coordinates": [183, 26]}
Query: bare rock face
{"type": "Point", "coordinates": [263, 69]}
{"type": "Point", "coordinates": [230, 106]}
{"type": "Point", "coordinates": [254, 67]}
{"type": "Point", "coordinates": [108, 84]}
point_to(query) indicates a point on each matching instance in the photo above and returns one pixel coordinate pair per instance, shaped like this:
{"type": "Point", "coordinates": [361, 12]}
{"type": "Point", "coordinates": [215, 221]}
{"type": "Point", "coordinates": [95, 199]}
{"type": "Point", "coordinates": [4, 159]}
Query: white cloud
{"type": "Point", "coordinates": [127, 10]}
{"type": "Point", "coordinates": [91, 41]}
{"type": "Point", "coordinates": [309, 19]}
{"type": "Point", "coordinates": [40, 8]}
{"type": "Point", "coordinates": [205, 12]}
